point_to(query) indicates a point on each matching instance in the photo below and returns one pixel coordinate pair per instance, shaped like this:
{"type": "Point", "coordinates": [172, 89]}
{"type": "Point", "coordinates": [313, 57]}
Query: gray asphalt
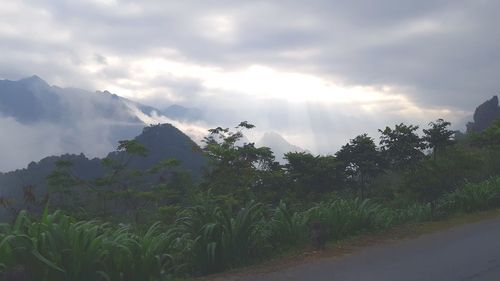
{"type": "Point", "coordinates": [469, 252]}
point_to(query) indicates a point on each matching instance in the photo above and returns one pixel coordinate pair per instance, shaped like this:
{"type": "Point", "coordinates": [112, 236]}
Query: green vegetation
{"type": "Point", "coordinates": [247, 207]}
{"type": "Point", "coordinates": [205, 239]}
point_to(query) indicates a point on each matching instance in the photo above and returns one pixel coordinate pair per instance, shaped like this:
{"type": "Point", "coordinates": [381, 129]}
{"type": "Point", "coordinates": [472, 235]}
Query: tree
{"type": "Point", "coordinates": [116, 185]}
{"type": "Point", "coordinates": [490, 137]}
{"type": "Point", "coordinates": [432, 178]}
{"type": "Point", "coordinates": [438, 136]}
{"type": "Point", "coordinates": [361, 162]}
{"type": "Point", "coordinates": [401, 146]}
{"type": "Point", "coordinates": [235, 169]}
{"type": "Point", "coordinates": [311, 175]}
{"type": "Point", "coordinates": [61, 185]}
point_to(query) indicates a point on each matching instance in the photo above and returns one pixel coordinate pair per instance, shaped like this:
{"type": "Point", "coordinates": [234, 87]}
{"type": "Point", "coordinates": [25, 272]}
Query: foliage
{"type": "Point", "coordinates": [490, 137]}
{"type": "Point", "coordinates": [247, 206]}
{"type": "Point", "coordinates": [218, 240]}
{"type": "Point", "coordinates": [431, 179]}
{"type": "Point", "coordinates": [361, 162]}
{"type": "Point", "coordinates": [206, 238]}
{"type": "Point", "coordinates": [61, 185]}
{"type": "Point", "coordinates": [401, 146]}
{"type": "Point", "coordinates": [438, 136]}
{"type": "Point", "coordinates": [473, 197]}
{"type": "Point", "coordinates": [287, 228]}
{"type": "Point", "coordinates": [311, 176]}
{"type": "Point", "coordinates": [57, 247]}
{"type": "Point", "coordinates": [235, 169]}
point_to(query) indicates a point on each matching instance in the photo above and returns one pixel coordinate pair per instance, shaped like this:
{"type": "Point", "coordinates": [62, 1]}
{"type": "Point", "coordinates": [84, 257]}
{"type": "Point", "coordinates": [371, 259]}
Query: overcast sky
{"type": "Point", "coordinates": [318, 72]}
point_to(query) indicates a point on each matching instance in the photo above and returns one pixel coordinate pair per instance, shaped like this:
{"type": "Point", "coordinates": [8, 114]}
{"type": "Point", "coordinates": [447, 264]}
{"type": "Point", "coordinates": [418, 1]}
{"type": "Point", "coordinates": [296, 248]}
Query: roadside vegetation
{"type": "Point", "coordinates": [247, 207]}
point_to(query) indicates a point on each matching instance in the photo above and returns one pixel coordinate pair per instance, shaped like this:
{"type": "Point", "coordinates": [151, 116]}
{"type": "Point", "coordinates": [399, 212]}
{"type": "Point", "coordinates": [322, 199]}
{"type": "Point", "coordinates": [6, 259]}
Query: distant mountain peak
{"type": "Point", "coordinates": [278, 144]}
{"type": "Point", "coordinates": [34, 80]}
{"type": "Point", "coordinates": [276, 138]}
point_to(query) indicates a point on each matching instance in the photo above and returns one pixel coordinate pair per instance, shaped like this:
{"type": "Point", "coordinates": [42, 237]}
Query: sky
{"type": "Point", "coordinates": [319, 72]}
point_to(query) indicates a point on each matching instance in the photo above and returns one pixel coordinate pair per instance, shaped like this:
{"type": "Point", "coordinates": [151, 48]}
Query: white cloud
{"type": "Point", "coordinates": [195, 130]}
{"type": "Point", "coordinates": [25, 143]}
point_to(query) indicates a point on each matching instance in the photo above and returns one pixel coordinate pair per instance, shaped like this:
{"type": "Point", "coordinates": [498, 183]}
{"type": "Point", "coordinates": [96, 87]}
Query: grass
{"type": "Point", "coordinates": [208, 238]}
{"type": "Point", "coordinates": [352, 244]}
{"type": "Point", "coordinates": [473, 197]}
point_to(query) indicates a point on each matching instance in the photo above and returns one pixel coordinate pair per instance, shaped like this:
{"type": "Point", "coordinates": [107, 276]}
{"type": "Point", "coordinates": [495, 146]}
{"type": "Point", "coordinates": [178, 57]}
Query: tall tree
{"type": "Point", "coordinates": [235, 168]}
{"type": "Point", "coordinates": [361, 161]}
{"type": "Point", "coordinates": [311, 175]}
{"type": "Point", "coordinates": [401, 146]}
{"type": "Point", "coordinates": [438, 136]}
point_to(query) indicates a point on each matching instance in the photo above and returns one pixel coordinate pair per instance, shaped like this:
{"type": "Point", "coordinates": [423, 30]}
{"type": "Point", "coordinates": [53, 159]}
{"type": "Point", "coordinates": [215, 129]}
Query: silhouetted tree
{"type": "Point", "coordinates": [401, 146]}
{"type": "Point", "coordinates": [311, 175]}
{"type": "Point", "coordinates": [438, 136]}
{"type": "Point", "coordinates": [361, 162]}
{"type": "Point", "coordinates": [235, 169]}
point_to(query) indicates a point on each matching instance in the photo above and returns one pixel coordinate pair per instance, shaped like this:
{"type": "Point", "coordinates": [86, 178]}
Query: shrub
{"type": "Point", "coordinates": [473, 197]}
{"type": "Point", "coordinates": [218, 240]}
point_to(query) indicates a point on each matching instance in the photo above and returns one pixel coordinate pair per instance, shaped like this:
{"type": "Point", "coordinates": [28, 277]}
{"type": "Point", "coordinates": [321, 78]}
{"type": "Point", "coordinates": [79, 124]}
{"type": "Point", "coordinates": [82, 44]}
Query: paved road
{"type": "Point", "coordinates": [466, 253]}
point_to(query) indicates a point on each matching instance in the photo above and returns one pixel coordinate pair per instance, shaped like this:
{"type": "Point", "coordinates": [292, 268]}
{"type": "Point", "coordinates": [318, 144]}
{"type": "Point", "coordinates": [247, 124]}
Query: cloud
{"type": "Point", "coordinates": [318, 72]}
{"type": "Point", "coordinates": [195, 130]}
{"type": "Point", "coordinates": [25, 143]}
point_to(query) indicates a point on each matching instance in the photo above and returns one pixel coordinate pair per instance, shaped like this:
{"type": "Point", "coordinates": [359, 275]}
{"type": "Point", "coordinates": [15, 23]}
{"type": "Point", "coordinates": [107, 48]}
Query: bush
{"type": "Point", "coordinates": [287, 228]}
{"type": "Point", "coordinates": [473, 197]}
{"type": "Point", "coordinates": [57, 247]}
{"type": "Point", "coordinates": [218, 240]}
{"type": "Point", "coordinates": [205, 239]}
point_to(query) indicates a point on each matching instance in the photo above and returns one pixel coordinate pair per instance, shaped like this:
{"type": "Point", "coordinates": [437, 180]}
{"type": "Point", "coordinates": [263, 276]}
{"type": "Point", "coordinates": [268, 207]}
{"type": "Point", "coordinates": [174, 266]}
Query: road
{"type": "Point", "coordinates": [469, 252]}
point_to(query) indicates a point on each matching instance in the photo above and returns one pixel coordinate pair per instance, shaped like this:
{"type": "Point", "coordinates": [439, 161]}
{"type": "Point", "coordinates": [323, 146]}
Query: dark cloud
{"type": "Point", "coordinates": [446, 51]}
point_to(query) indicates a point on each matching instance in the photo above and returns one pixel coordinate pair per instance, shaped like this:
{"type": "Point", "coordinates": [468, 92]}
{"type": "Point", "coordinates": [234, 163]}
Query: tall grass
{"type": "Point", "coordinates": [343, 217]}
{"type": "Point", "coordinates": [287, 228]}
{"type": "Point", "coordinates": [473, 197]}
{"type": "Point", "coordinates": [205, 239]}
{"type": "Point", "coordinates": [56, 247]}
{"type": "Point", "coordinates": [218, 240]}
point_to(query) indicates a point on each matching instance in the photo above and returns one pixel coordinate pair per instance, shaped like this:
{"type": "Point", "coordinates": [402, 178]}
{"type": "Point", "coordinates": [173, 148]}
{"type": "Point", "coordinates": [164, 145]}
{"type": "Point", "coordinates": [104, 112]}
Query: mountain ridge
{"type": "Point", "coordinates": [45, 120]}
{"type": "Point", "coordinates": [163, 141]}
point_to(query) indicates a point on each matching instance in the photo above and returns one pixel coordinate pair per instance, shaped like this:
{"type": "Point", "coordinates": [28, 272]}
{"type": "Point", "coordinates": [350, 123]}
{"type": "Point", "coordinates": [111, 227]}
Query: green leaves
{"type": "Point", "coordinates": [220, 240]}
{"type": "Point", "coordinates": [438, 136]}
{"type": "Point", "coordinates": [401, 146]}
{"type": "Point", "coordinates": [206, 238]}
{"type": "Point", "coordinates": [235, 168]}
{"type": "Point", "coordinates": [490, 137]}
{"type": "Point", "coordinates": [473, 197]}
{"type": "Point", "coordinates": [361, 162]}
{"type": "Point", "coordinates": [57, 248]}
{"type": "Point", "coordinates": [312, 176]}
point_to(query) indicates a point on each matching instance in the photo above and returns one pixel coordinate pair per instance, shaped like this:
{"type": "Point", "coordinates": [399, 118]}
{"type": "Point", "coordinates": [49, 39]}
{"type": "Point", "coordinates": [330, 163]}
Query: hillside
{"type": "Point", "coordinates": [162, 141]}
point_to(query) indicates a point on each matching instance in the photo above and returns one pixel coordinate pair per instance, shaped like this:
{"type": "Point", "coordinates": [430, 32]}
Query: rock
{"type": "Point", "coordinates": [484, 115]}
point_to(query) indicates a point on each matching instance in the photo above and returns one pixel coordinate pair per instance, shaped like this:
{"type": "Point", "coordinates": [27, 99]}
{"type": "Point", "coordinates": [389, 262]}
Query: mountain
{"type": "Point", "coordinates": [163, 142]}
{"type": "Point", "coordinates": [278, 144]}
{"type": "Point", "coordinates": [484, 115]}
{"type": "Point", "coordinates": [32, 100]}
{"type": "Point", "coordinates": [39, 120]}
